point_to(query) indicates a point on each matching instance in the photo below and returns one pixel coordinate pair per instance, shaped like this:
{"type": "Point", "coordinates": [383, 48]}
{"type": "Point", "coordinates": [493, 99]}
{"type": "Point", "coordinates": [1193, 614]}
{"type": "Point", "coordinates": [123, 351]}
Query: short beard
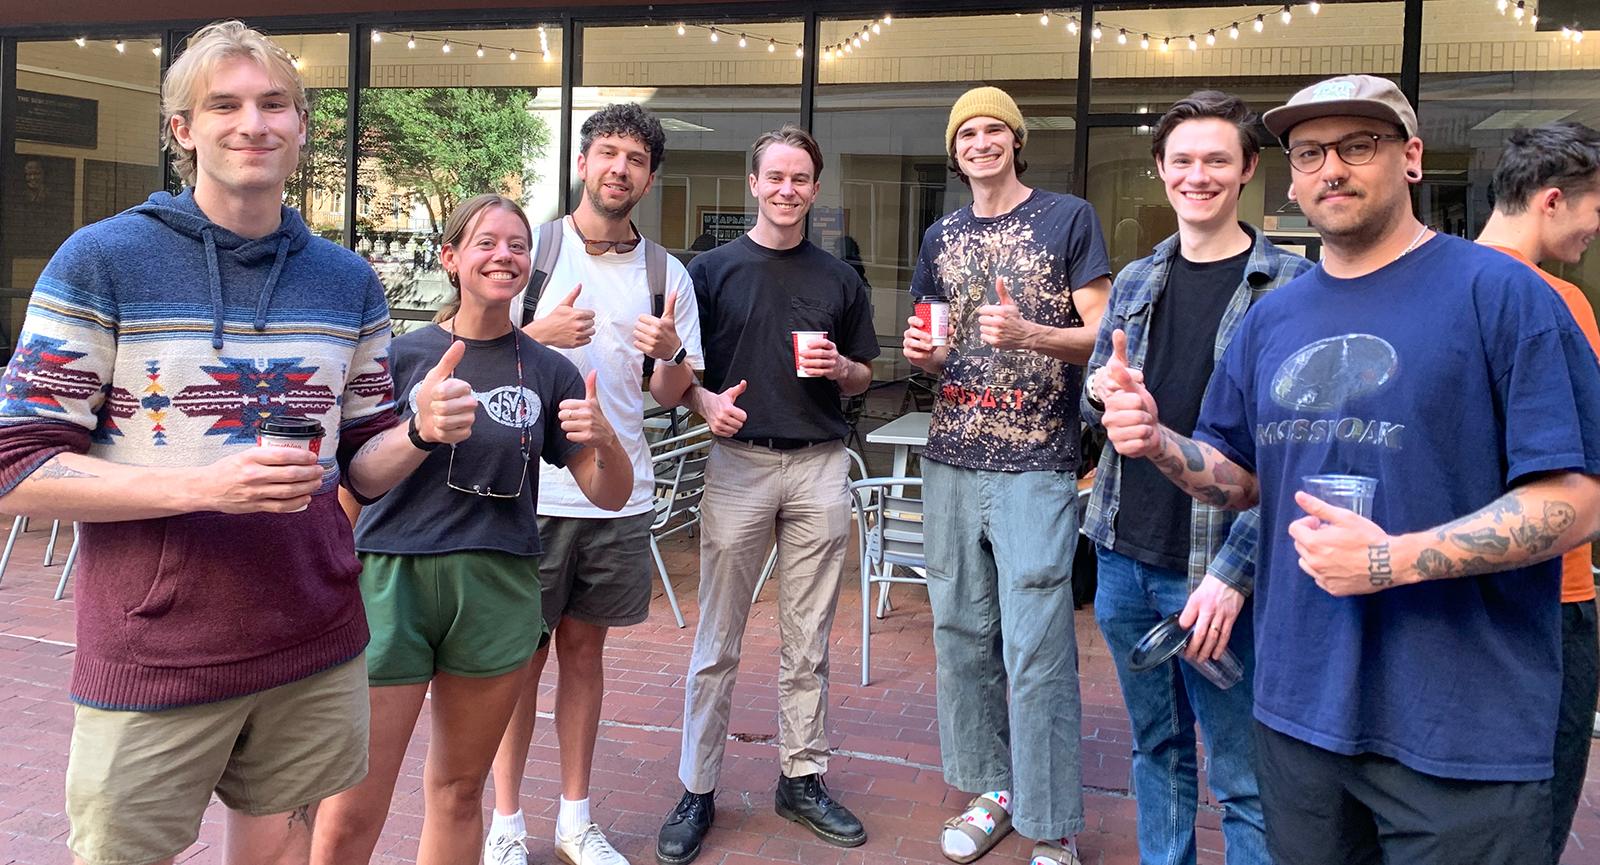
{"type": "Point", "coordinates": [616, 214]}
{"type": "Point", "coordinates": [1365, 234]}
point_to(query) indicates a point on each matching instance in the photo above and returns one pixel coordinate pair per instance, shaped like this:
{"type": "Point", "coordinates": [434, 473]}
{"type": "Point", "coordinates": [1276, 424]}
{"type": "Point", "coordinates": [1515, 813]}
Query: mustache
{"type": "Point", "coordinates": [1341, 189]}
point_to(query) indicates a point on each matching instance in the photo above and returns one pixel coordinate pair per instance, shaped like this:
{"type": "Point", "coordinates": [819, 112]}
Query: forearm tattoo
{"type": "Point", "coordinates": [1514, 537]}
{"type": "Point", "coordinates": [56, 470]}
{"type": "Point", "coordinates": [372, 444]}
{"type": "Point", "coordinates": [1379, 569]}
{"type": "Point", "coordinates": [1193, 467]}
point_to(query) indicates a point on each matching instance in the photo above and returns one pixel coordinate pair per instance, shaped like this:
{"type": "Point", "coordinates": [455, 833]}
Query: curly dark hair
{"type": "Point", "coordinates": [627, 120]}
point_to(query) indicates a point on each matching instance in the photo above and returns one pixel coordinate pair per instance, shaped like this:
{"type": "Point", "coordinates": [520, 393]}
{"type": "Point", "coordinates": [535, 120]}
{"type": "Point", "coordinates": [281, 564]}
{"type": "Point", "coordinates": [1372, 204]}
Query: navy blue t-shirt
{"type": "Point", "coordinates": [1447, 375]}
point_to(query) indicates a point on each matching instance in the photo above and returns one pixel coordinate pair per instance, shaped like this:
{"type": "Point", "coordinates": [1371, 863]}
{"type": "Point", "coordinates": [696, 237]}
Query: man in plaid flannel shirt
{"type": "Point", "coordinates": [1166, 552]}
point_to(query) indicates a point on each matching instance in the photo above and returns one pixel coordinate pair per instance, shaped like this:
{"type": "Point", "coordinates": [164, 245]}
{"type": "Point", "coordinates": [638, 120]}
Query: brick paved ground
{"type": "Point", "coordinates": [888, 767]}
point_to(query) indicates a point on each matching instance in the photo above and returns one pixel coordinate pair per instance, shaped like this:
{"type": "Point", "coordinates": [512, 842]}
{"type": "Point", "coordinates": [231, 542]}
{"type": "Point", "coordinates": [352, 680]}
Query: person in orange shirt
{"type": "Point", "coordinates": [1547, 206]}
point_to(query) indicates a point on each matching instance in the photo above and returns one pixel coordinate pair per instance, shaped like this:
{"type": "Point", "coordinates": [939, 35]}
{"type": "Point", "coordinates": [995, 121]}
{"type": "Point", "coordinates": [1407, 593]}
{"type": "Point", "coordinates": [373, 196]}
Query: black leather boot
{"type": "Point", "coordinates": [805, 800]}
{"type": "Point", "coordinates": [678, 842]}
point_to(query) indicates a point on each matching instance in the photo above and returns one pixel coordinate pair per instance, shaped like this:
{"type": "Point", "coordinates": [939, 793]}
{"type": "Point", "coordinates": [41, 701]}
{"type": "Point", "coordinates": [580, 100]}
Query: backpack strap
{"type": "Point", "coordinates": [655, 269]}
{"type": "Point", "coordinates": [547, 248]}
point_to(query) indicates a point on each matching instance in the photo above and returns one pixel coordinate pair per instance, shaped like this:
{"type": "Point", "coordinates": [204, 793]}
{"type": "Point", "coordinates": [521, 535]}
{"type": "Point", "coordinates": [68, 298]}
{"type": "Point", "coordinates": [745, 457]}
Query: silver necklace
{"type": "Point", "coordinates": [1412, 245]}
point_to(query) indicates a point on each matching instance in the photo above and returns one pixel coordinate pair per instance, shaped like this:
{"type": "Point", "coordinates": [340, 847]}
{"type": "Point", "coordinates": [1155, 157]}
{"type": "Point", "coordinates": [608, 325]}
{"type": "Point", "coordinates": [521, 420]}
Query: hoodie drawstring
{"type": "Point", "coordinates": [272, 282]}
{"type": "Point", "coordinates": [215, 272]}
{"type": "Point", "coordinates": [213, 269]}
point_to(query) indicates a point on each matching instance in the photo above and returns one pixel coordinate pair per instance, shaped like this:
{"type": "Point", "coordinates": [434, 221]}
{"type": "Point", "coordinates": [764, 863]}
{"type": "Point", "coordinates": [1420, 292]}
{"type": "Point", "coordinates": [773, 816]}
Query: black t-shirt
{"type": "Point", "coordinates": [1153, 523]}
{"type": "Point", "coordinates": [751, 301]}
{"type": "Point", "coordinates": [422, 514]}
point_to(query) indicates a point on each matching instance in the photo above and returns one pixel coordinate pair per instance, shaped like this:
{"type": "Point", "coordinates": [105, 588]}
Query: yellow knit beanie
{"type": "Point", "coordinates": [984, 102]}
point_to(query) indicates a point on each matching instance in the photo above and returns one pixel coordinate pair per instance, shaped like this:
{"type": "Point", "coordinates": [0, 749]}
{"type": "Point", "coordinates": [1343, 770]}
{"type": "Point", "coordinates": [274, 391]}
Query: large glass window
{"type": "Point", "coordinates": [716, 85]}
{"type": "Point", "coordinates": [885, 90]}
{"type": "Point", "coordinates": [449, 114]}
{"type": "Point", "coordinates": [317, 189]}
{"type": "Point", "coordinates": [1483, 74]}
{"type": "Point", "coordinates": [86, 147]}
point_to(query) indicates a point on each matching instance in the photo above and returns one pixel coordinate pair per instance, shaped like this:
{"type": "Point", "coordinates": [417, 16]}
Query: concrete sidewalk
{"type": "Point", "coordinates": [886, 736]}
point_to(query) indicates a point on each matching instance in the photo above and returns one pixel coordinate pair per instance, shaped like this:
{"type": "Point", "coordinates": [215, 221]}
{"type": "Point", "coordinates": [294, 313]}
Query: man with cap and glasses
{"type": "Point", "coordinates": [1026, 275]}
{"type": "Point", "coordinates": [1408, 656]}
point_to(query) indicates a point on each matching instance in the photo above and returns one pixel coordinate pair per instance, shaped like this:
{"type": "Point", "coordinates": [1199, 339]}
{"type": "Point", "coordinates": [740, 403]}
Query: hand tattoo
{"type": "Point", "coordinates": [1379, 568]}
{"type": "Point", "coordinates": [55, 469]}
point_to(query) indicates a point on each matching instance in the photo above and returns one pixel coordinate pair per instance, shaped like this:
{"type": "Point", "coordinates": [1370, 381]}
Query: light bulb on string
{"type": "Point", "coordinates": [856, 41]}
{"type": "Point", "coordinates": [1044, 20]}
{"type": "Point", "coordinates": [1314, 7]}
{"type": "Point", "coordinates": [1520, 11]}
{"type": "Point", "coordinates": [156, 50]}
{"type": "Point", "coordinates": [411, 42]}
{"type": "Point", "coordinates": [865, 35]}
{"type": "Point", "coordinates": [1501, 6]}
{"type": "Point", "coordinates": [1096, 33]}
{"type": "Point", "coordinates": [875, 28]}
{"type": "Point", "coordinates": [714, 36]}
{"type": "Point", "coordinates": [742, 41]}
{"type": "Point", "coordinates": [1166, 43]}
{"type": "Point", "coordinates": [1193, 45]}
{"type": "Point", "coordinates": [887, 20]}
{"type": "Point", "coordinates": [681, 31]}
{"type": "Point", "coordinates": [512, 55]}
{"type": "Point", "coordinates": [1577, 36]}
{"type": "Point", "coordinates": [1534, 20]}
{"type": "Point", "coordinates": [1072, 26]}
{"type": "Point", "coordinates": [547, 55]}
{"type": "Point", "coordinates": [480, 50]}
{"type": "Point", "coordinates": [1144, 41]}
{"type": "Point", "coordinates": [376, 37]}
{"type": "Point", "coordinates": [1122, 36]}
{"type": "Point", "coordinates": [122, 47]}
{"type": "Point", "coordinates": [1233, 30]}
{"type": "Point", "coordinates": [799, 52]}
{"type": "Point", "coordinates": [771, 46]}
{"type": "Point", "coordinates": [1260, 23]}
{"type": "Point", "coordinates": [82, 41]}
{"type": "Point", "coordinates": [1211, 37]}
{"type": "Point", "coordinates": [1286, 15]}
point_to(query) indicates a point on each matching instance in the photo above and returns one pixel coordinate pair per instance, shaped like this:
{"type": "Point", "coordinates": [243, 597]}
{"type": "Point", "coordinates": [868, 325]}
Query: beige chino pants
{"type": "Point", "coordinates": [751, 494]}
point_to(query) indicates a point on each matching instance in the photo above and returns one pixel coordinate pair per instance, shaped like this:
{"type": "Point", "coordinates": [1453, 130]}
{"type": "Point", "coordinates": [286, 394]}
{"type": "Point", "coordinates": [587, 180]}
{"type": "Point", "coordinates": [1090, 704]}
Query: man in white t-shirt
{"type": "Point", "coordinates": [596, 310]}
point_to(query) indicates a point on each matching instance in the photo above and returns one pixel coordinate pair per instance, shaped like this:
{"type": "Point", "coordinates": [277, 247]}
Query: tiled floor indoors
{"type": "Point", "coordinates": [886, 768]}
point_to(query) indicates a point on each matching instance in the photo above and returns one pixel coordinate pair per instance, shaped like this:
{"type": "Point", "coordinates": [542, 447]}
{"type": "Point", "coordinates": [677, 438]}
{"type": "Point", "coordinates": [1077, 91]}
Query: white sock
{"type": "Point", "coordinates": [956, 843]}
{"type": "Point", "coordinates": [572, 818]}
{"type": "Point", "coordinates": [508, 824]}
{"type": "Point", "coordinates": [1069, 843]}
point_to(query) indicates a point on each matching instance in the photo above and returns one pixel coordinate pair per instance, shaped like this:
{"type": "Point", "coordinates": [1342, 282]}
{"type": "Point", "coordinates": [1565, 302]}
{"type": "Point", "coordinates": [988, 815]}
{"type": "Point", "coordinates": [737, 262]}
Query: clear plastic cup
{"type": "Point", "coordinates": [1163, 642]}
{"type": "Point", "coordinates": [804, 339]}
{"type": "Point", "coordinates": [1352, 492]}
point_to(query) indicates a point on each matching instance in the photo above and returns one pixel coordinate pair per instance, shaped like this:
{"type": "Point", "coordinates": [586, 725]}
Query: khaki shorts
{"type": "Point", "coordinates": [139, 782]}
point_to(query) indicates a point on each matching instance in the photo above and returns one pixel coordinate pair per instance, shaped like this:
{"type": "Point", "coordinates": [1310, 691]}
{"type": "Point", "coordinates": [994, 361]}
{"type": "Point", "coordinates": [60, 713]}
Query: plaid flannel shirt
{"type": "Point", "coordinates": [1221, 542]}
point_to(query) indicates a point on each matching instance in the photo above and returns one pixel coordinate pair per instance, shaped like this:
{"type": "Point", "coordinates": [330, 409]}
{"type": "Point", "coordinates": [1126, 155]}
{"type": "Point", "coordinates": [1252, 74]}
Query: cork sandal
{"type": "Point", "coordinates": [986, 827]}
{"type": "Point", "coordinates": [1052, 854]}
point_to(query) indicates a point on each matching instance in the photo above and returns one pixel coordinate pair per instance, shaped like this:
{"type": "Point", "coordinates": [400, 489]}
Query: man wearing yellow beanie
{"type": "Point", "coordinates": [1025, 274]}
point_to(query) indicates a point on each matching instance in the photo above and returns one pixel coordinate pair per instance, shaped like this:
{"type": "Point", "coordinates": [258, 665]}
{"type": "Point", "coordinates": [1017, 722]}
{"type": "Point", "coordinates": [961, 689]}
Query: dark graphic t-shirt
{"type": "Point", "coordinates": [1448, 375]}
{"type": "Point", "coordinates": [423, 514]}
{"type": "Point", "coordinates": [1013, 410]}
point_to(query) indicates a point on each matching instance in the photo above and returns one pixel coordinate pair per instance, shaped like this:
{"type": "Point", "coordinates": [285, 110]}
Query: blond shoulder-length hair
{"type": "Point", "coordinates": [189, 74]}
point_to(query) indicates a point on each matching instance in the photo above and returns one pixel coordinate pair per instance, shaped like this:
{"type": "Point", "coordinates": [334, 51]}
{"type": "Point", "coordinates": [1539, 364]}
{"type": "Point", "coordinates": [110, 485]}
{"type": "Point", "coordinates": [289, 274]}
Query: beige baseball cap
{"type": "Point", "coordinates": [1344, 96]}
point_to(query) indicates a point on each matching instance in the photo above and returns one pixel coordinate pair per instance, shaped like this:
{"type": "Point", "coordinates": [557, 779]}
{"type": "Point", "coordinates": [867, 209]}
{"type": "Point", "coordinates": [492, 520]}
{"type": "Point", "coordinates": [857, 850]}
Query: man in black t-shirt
{"type": "Point", "coordinates": [1161, 552]}
{"type": "Point", "coordinates": [787, 330]}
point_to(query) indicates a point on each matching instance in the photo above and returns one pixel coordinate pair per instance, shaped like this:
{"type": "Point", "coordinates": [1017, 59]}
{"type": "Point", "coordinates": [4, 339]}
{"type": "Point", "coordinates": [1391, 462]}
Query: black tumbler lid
{"type": "Point", "coordinates": [290, 426]}
{"type": "Point", "coordinates": [1159, 645]}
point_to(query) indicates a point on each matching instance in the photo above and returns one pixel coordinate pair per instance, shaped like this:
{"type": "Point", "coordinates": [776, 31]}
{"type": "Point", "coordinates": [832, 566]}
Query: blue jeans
{"type": "Point", "coordinates": [999, 549]}
{"type": "Point", "coordinates": [1163, 705]}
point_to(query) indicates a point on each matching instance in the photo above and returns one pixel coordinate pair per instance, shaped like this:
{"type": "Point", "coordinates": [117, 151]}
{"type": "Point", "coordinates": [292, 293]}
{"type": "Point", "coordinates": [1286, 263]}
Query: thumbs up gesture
{"type": "Point", "coordinates": [1101, 383]}
{"type": "Point", "coordinates": [1346, 553]}
{"type": "Point", "coordinates": [1001, 324]}
{"type": "Point", "coordinates": [566, 326]}
{"type": "Point", "coordinates": [658, 337]}
{"type": "Point", "coordinates": [721, 414]}
{"type": "Point", "coordinates": [583, 421]}
{"type": "Point", "coordinates": [446, 407]}
{"type": "Point", "coordinates": [1132, 423]}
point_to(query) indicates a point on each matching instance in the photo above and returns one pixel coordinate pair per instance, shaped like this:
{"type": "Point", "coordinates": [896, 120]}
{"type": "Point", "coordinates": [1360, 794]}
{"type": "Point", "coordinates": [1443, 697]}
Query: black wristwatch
{"type": "Point", "coordinates": [416, 436]}
{"type": "Point", "coordinates": [677, 358]}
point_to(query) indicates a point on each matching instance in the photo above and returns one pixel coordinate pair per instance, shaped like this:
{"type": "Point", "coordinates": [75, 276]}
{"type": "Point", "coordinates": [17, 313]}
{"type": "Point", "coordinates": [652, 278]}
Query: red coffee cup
{"type": "Point", "coordinates": [934, 310]}
{"type": "Point", "coordinates": [804, 339]}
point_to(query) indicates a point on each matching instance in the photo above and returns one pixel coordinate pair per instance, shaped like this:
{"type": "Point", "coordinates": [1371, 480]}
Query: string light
{"type": "Point", "coordinates": [1314, 7]}
{"type": "Point", "coordinates": [1166, 44]}
{"type": "Point", "coordinates": [1072, 26]}
{"type": "Point", "coordinates": [411, 42]}
{"type": "Point", "coordinates": [122, 47]}
{"type": "Point", "coordinates": [512, 55]}
{"type": "Point", "coordinates": [1144, 41]}
{"type": "Point", "coordinates": [1260, 23]}
{"type": "Point", "coordinates": [1122, 35]}
{"type": "Point", "coordinates": [480, 50]}
{"type": "Point", "coordinates": [680, 28]}
{"type": "Point", "coordinates": [445, 47]}
{"type": "Point", "coordinates": [1096, 33]}
{"type": "Point", "coordinates": [1233, 30]}
{"type": "Point", "coordinates": [156, 50]}
{"type": "Point", "coordinates": [799, 52]}
{"type": "Point", "coordinates": [1211, 37]}
{"type": "Point", "coordinates": [865, 36]}
{"type": "Point", "coordinates": [1193, 45]}
{"type": "Point", "coordinates": [887, 20]}
{"type": "Point", "coordinates": [81, 41]}
{"type": "Point", "coordinates": [876, 29]}
{"type": "Point", "coordinates": [376, 37]}
{"type": "Point", "coordinates": [1501, 5]}
{"type": "Point", "coordinates": [771, 46]}
{"type": "Point", "coordinates": [1520, 11]}
{"type": "Point", "coordinates": [742, 41]}
{"type": "Point", "coordinates": [1287, 16]}
{"type": "Point", "coordinates": [1044, 20]}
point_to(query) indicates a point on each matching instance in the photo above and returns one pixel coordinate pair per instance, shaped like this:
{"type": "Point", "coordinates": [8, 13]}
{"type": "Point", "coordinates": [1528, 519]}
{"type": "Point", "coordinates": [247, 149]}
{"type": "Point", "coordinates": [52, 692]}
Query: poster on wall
{"type": "Point", "coordinates": [37, 211]}
{"type": "Point", "coordinates": [720, 226]}
{"type": "Point", "coordinates": [52, 118]}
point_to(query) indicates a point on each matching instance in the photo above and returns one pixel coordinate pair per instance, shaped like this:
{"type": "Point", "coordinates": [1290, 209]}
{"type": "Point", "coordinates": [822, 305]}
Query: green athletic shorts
{"type": "Point", "coordinates": [473, 613]}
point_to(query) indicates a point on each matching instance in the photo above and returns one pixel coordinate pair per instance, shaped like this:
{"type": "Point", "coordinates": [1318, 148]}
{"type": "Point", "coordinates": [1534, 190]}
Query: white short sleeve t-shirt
{"type": "Point", "coordinates": [617, 288]}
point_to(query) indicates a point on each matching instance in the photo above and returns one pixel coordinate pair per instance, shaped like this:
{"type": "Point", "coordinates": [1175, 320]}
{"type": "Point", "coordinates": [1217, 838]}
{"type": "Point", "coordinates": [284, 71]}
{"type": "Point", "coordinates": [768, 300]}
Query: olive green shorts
{"type": "Point", "coordinates": [472, 613]}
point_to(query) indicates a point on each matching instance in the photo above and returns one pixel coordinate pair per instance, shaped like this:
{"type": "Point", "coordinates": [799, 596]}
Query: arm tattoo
{"type": "Point", "coordinates": [56, 470]}
{"type": "Point", "coordinates": [1434, 565]}
{"type": "Point", "coordinates": [1379, 568]}
{"type": "Point", "coordinates": [372, 444]}
{"type": "Point", "coordinates": [1192, 456]}
{"type": "Point", "coordinates": [1216, 482]}
{"type": "Point", "coordinates": [599, 461]}
{"type": "Point", "coordinates": [1516, 538]}
{"type": "Point", "coordinates": [1484, 540]}
{"type": "Point", "coordinates": [300, 816]}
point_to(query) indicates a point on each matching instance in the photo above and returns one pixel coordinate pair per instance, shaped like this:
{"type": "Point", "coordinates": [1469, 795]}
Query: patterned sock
{"type": "Point", "coordinates": [956, 843]}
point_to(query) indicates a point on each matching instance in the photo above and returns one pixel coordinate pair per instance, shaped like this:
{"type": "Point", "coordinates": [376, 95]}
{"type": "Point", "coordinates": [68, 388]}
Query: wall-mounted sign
{"type": "Point", "coordinates": [722, 226]}
{"type": "Point", "coordinates": [51, 118]}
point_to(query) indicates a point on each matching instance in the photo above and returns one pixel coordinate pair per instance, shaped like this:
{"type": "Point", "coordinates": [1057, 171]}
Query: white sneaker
{"type": "Point", "coordinates": [506, 850]}
{"type": "Point", "coordinates": [588, 847]}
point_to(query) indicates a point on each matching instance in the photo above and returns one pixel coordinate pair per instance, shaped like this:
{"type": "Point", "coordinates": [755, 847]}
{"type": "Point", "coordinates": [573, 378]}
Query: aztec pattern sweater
{"type": "Point", "coordinates": [158, 338]}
